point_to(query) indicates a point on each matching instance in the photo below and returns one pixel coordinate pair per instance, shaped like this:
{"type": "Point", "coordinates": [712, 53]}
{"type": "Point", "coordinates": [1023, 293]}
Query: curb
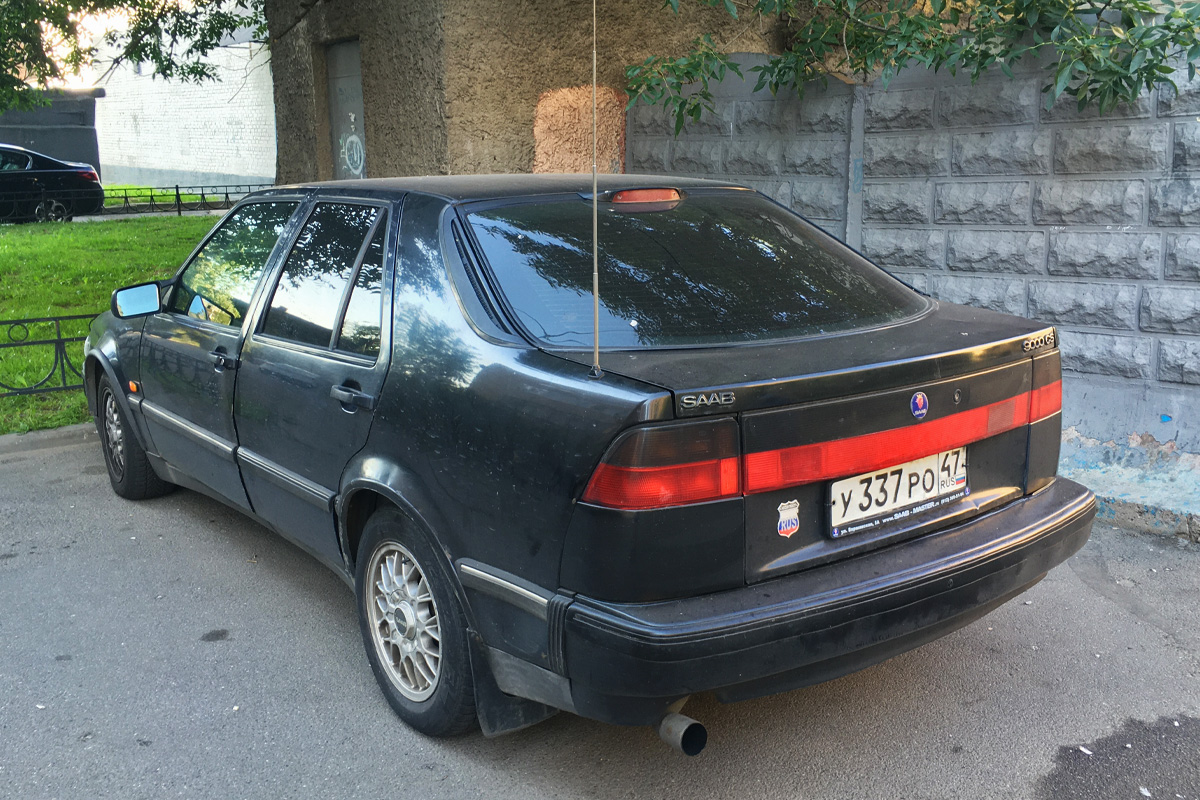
{"type": "Point", "coordinates": [1147, 518]}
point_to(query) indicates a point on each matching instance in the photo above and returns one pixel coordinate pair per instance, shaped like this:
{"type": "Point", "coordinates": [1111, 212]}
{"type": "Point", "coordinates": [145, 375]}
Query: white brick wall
{"type": "Point", "coordinates": [167, 132]}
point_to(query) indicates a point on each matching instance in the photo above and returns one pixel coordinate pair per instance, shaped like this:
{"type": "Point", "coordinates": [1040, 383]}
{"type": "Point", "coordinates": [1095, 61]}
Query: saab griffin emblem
{"type": "Point", "coordinates": [919, 405]}
{"type": "Point", "coordinates": [789, 518]}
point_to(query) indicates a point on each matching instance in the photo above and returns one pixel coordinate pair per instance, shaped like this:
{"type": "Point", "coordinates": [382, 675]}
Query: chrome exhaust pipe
{"type": "Point", "coordinates": [683, 733]}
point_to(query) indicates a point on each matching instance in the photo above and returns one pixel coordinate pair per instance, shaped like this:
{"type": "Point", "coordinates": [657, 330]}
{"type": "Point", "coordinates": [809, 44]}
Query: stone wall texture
{"type": "Point", "coordinates": [980, 194]}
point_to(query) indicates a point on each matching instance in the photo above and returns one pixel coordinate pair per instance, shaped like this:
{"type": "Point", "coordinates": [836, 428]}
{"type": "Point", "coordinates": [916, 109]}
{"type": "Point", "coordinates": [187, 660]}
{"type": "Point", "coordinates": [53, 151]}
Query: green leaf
{"type": "Point", "coordinates": [1006, 69]}
{"type": "Point", "coordinates": [1064, 75]}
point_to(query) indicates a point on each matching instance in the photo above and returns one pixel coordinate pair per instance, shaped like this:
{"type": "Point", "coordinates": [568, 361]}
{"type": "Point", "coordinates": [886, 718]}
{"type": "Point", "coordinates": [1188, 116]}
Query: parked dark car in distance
{"type": "Point", "coordinates": [792, 466]}
{"type": "Point", "coordinates": [37, 187]}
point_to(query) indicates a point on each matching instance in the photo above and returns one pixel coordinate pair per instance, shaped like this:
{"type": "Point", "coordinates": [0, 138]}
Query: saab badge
{"type": "Point", "coordinates": [789, 518]}
{"type": "Point", "coordinates": [919, 405]}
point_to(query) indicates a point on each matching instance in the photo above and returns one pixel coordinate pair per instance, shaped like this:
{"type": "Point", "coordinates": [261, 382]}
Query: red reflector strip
{"type": "Point", "coordinates": [793, 466]}
{"type": "Point", "coordinates": [635, 488]}
{"type": "Point", "coordinates": [1045, 401]}
{"type": "Point", "coordinates": [645, 196]}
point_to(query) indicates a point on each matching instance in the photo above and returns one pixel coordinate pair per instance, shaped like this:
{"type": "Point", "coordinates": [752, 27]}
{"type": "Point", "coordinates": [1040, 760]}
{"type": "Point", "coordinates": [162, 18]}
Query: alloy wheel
{"type": "Point", "coordinates": [114, 436]}
{"type": "Point", "coordinates": [404, 621]}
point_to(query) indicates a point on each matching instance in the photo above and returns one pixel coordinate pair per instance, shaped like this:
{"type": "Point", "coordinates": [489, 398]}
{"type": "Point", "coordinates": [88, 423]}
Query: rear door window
{"type": "Point", "coordinates": [709, 269]}
{"type": "Point", "coordinates": [364, 312]}
{"type": "Point", "coordinates": [334, 272]}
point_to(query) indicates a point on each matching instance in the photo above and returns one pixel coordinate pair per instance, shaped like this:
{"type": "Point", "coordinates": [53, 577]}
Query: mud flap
{"type": "Point", "coordinates": [498, 712]}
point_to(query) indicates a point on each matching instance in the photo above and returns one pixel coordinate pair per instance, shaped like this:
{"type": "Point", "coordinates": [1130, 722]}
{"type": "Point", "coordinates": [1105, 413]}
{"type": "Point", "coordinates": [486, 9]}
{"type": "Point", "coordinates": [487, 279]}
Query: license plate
{"type": "Point", "coordinates": [873, 499]}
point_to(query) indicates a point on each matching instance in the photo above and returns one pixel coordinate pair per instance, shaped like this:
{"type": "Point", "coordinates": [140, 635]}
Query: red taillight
{"type": "Point", "coordinates": [645, 196]}
{"type": "Point", "coordinates": [695, 462]}
{"type": "Point", "coordinates": [670, 465]}
{"type": "Point", "coordinates": [1045, 401]}
{"type": "Point", "coordinates": [809, 463]}
{"type": "Point", "coordinates": [88, 175]}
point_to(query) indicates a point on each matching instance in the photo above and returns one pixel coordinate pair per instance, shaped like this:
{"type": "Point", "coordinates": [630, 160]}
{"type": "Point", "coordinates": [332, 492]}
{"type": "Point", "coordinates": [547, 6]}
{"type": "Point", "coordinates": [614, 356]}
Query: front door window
{"type": "Point", "coordinates": [219, 283]}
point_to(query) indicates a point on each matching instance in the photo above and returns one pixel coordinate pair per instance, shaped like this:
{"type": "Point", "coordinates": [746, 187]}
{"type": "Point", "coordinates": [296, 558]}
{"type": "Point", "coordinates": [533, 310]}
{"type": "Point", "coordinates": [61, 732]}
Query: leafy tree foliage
{"type": "Point", "coordinates": [1100, 52]}
{"type": "Point", "coordinates": [41, 41]}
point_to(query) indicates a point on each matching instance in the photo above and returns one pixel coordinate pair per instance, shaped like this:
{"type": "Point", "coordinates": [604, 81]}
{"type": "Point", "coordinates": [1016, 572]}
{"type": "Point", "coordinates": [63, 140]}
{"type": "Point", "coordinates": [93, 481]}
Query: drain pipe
{"type": "Point", "coordinates": [684, 734]}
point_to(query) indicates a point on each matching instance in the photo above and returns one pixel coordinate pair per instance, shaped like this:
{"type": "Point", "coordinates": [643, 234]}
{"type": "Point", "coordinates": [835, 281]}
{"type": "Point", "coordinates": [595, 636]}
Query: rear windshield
{"type": "Point", "coordinates": [711, 269]}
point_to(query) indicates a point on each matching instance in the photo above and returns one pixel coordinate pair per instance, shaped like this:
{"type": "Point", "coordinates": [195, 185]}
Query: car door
{"type": "Point", "coordinates": [190, 350]}
{"type": "Point", "coordinates": [312, 369]}
{"type": "Point", "coordinates": [18, 190]}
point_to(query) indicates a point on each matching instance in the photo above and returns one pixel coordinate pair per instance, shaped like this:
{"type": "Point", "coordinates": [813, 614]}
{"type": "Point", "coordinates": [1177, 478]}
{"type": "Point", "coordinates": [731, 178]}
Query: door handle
{"type": "Point", "coordinates": [222, 360]}
{"type": "Point", "coordinates": [352, 397]}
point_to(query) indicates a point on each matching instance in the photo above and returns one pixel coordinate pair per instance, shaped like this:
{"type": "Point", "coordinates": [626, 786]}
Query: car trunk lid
{"type": "Point", "coordinates": [808, 427]}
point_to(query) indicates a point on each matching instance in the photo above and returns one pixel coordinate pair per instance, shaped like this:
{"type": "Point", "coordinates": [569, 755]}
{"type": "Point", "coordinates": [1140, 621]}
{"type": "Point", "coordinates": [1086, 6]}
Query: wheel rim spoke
{"type": "Point", "coordinates": [114, 436]}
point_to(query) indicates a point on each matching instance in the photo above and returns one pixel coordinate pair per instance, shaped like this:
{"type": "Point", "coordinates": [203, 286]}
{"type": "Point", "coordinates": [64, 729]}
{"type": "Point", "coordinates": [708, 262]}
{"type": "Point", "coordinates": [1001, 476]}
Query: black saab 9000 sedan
{"type": "Point", "coordinates": [792, 465]}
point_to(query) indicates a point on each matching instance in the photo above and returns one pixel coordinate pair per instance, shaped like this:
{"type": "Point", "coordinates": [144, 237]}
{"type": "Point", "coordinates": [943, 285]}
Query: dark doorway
{"type": "Point", "coordinates": [346, 128]}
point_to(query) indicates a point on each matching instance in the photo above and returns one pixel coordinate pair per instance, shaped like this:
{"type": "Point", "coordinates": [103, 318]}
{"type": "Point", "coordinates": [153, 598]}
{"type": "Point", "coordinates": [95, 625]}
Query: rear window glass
{"type": "Point", "coordinates": [712, 269]}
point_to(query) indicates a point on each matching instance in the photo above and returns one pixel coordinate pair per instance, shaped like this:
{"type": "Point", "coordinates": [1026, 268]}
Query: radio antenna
{"type": "Point", "coordinates": [596, 371]}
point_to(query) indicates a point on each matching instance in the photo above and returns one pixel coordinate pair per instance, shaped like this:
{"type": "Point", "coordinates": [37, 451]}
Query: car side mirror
{"type": "Point", "coordinates": [136, 301]}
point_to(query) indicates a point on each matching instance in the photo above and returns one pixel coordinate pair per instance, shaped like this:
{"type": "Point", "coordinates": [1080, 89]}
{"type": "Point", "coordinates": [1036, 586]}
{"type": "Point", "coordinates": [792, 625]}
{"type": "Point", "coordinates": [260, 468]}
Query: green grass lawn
{"type": "Point", "coordinates": [53, 270]}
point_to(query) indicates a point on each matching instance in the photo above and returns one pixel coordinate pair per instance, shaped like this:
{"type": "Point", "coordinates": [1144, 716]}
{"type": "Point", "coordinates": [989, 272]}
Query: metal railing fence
{"type": "Point", "coordinates": [48, 204]}
{"type": "Point", "coordinates": [34, 355]}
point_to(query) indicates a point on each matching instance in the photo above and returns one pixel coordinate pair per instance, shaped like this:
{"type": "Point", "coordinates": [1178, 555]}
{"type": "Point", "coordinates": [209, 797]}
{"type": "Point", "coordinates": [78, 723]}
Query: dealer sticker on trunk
{"type": "Point", "coordinates": [868, 501]}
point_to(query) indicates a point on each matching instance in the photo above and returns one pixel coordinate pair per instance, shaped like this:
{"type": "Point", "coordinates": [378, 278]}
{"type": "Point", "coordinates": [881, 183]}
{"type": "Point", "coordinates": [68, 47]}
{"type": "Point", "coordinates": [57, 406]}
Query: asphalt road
{"type": "Point", "coordinates": [172, 648]}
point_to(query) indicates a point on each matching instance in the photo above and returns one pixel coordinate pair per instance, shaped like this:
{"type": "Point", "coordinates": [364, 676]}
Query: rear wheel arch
{"type": "Point", "coordinates": [358, 508]}
{"type": "Point", "coordinates": [362, 500]}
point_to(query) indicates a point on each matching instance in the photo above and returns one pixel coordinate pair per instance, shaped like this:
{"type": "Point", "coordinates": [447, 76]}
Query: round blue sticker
{"type": "Point", "coordinates": [919, 405]}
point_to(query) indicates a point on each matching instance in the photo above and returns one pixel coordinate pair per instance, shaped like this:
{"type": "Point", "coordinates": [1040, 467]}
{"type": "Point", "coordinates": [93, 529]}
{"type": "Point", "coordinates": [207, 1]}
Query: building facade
{"type": "Point", "coordinates": [154, 132]}
{"type": "Point", "coordinates": [65, 129]}
{"type": "Point", "coordinates": [455, 86]}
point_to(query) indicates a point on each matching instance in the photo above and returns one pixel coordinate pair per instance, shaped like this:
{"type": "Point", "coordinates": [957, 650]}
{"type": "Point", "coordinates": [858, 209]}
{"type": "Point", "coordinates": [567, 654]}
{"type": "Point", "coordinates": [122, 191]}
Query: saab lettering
{"type": "Point", "coordinates": [1045, 340]}
{"type": "Point", "coordinates": [702, 400]}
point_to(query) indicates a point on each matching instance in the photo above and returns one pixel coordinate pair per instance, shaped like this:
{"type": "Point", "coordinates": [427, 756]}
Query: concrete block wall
{"type": "Point", "coordinates": [161, 133]}
{"type": "Point", "coordinates": [793, 150]}
{"type": "Point", "coordinates": [978, 194]}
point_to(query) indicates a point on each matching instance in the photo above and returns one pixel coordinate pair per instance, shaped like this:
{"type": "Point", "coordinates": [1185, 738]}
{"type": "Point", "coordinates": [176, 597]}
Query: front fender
{"type": "Point", "coordinates": [96, 361]}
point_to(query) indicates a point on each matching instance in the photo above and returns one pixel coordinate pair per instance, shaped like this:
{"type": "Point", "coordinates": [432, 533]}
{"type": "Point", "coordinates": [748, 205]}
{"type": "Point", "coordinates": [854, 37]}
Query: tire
{"type": "Point", "coordinates": [129, 469]}
{"type": "Point", "coordinates": [53, 211]}
{"type": "Point", "coordinates": [413, 627]}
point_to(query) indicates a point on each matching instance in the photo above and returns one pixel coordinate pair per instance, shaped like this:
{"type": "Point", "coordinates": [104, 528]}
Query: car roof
{"type": "Point", "coordinates": [491, 187]}
{"type": "Point", "coordinates": [25, 150]}
{"type": "Point", "coordinates": [34, 153]}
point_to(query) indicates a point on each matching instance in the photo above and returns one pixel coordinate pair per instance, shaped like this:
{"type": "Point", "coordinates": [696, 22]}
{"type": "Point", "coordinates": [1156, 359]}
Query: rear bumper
{"type": "Point", "coordinates": [628, 662]}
